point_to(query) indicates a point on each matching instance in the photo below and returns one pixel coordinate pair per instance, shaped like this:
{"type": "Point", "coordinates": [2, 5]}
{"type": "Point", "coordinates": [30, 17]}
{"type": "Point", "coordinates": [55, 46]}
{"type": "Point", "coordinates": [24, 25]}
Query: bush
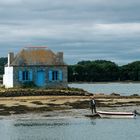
{"type": "Point", "coordinates": [28, 85]}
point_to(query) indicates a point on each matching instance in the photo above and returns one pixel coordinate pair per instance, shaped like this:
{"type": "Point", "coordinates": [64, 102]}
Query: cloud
{"type": "Point", "coordinates": [91, 29]}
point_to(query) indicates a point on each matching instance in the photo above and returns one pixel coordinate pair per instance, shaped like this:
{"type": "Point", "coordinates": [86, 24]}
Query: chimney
{"type": "Point", "coordinates": [10, 58]}
{"type": "Point", "coordinates": [60, 57]}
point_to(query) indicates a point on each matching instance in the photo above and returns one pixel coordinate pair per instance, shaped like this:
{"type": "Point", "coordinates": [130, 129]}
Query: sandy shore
{"type": "Point", "coordinates": [48, 104]}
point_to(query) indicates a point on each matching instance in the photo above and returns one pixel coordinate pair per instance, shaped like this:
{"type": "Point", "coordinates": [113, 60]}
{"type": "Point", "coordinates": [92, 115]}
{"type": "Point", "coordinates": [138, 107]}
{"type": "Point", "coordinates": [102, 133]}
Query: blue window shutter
{"type": "Point", "coordinates": [20, 75]}
{"type": "Point", "coordinates": [50, 75]}
{"type": "Point", "coordinates": [31, 75]}
{"type": "Point", "coordinates": [60, 75]}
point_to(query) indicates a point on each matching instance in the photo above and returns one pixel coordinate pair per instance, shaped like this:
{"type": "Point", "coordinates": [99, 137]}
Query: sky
{"type": "Point", "coordinates": [82, 29]}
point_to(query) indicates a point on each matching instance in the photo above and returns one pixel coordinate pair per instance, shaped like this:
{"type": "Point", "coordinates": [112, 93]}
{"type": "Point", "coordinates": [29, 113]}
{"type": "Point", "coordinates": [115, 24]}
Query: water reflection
{"type": "Point", "coordinates": [32, 124]}
{"type": "Point", "coordinates": [93, 122]}
{"type": "Point", "coordinates": [70, 129]}
{"type": "Point", "coordinates": [47, 123]}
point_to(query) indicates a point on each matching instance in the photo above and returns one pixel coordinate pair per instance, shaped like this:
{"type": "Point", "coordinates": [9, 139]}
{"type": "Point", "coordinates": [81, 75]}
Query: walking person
{"type": "Point", "coordinates": [93, 105]}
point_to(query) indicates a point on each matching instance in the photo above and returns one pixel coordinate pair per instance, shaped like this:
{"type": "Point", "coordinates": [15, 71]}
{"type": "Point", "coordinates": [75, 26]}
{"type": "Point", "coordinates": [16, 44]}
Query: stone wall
{"type": "Point", "coordinates": [49, 84]}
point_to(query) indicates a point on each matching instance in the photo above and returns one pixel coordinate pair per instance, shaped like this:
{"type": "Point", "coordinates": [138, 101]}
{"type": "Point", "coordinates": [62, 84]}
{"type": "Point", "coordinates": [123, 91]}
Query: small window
{"type": "Point", "coordinates": [25, 75]}
{"type": "Point", "coordinates": [55, 75]}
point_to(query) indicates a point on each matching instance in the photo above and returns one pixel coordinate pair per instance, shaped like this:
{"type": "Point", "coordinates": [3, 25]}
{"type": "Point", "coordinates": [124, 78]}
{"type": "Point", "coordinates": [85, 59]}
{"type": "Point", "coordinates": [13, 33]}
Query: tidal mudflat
{"type": "Point", "coordinates": [46, 104]}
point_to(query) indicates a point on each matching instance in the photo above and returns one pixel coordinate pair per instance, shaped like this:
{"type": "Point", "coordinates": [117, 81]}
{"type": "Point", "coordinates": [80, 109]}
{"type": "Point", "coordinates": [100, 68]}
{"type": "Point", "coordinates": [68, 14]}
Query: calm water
{"type": "Point", "coordinates": [70, 129]}
{"type": "Point", "coordinates": [108, 88]}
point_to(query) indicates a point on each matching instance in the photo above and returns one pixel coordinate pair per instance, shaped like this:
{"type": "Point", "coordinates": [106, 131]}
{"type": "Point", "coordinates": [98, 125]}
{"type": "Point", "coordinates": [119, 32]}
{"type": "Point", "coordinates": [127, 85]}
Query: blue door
{"type": "Point", "coordinates": [40, 78]}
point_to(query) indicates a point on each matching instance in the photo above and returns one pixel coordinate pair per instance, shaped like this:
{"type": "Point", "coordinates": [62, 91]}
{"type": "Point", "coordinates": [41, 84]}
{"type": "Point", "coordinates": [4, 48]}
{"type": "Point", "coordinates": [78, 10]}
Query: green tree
{"type": "Point", "coordinates": [3, 61]}
{"type": "Point", "coordinates": [93, 71]}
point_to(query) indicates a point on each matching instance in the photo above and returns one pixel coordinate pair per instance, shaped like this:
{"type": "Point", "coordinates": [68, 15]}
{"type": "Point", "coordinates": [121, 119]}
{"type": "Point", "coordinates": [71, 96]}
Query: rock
{"type": "Point", "coordinates": [115, 94]}
{"type": "Point", "coordinates": [134, 95]}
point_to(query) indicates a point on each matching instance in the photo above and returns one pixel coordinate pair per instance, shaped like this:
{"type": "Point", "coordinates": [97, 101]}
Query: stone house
{"type": "Point", "coordinates": [37, 65]}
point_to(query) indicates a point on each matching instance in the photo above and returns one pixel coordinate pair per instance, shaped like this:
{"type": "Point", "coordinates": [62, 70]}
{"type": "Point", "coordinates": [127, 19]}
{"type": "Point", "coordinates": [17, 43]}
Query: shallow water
{"type": "Point", "coordinates": [65, 125]}
{"type": "Point", "coordinates": [70, 129]}
{"type": "Point", "coordinates": [108, 88]}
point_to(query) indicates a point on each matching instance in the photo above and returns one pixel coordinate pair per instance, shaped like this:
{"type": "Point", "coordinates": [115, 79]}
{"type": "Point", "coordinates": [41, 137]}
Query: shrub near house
{"type": "Point", "coordinates": [36, 65]}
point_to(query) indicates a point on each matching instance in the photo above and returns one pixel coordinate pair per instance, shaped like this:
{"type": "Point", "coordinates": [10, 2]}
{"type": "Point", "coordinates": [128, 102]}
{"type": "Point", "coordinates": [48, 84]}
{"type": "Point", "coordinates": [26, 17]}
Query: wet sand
{"type": "Point", "coordinates": [65, 105]}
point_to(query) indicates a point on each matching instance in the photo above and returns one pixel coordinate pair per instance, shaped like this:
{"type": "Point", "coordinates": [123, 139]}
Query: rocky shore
{"type": "Point", "coordinates": [24, 101]}
{"type": "Point", "coordinates": [16, 92]}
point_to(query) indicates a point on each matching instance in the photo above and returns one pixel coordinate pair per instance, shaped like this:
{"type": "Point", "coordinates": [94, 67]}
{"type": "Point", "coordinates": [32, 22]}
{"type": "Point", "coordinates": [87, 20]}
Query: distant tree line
{"type": "Point", "coordinates": [97, 71]}
{"type": "Point", "coordinates": [103, 71]}
{"type": "Point", "coordinates": [3, 61]}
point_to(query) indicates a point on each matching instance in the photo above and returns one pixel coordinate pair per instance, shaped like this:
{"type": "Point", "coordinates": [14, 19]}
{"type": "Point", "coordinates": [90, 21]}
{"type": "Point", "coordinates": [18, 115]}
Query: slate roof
{"type": "Point", "coordinates": [40, 56]}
